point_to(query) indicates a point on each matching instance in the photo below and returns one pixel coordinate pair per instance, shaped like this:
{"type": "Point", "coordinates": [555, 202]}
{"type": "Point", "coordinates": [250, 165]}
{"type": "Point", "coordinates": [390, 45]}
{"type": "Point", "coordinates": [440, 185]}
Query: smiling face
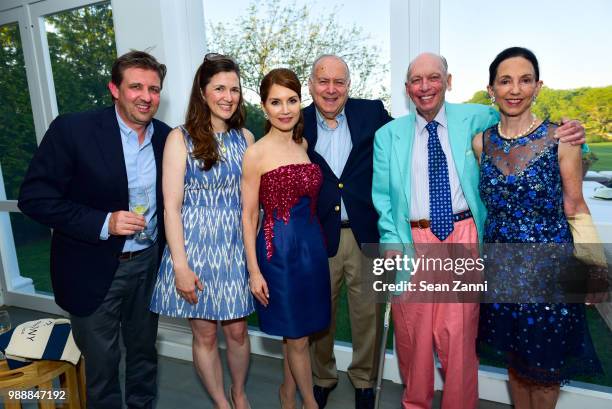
{"type": "Point", "coordinates": [426, 85]}
{"type": "Point", "coordinates": [222, 95]}
{"type": "Point", "coordinates": [282, 107]}
{"type": "Point", "coordinates": [515, 86]}
{"type": "Point", "coordinates": [137, 97]}
{"type": "Point", "coordinates": [329, 86]}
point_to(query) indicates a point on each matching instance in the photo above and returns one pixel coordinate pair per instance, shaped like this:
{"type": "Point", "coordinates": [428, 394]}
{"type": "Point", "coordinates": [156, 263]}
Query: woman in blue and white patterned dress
{"type": "Point", "coordinates": [203, 275]}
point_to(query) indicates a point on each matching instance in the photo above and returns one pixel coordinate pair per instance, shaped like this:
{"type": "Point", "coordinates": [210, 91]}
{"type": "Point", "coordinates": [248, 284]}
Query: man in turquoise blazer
{"type": "Point", "coordinates": [400, 191]}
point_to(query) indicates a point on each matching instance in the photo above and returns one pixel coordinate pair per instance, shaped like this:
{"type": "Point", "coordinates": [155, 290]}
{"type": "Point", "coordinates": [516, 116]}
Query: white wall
{"type": "Point", "coordinates": [174, 32]}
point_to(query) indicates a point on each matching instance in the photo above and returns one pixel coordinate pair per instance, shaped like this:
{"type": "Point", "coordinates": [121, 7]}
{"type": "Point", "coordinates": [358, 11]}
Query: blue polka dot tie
{"type": "Point", "coordinates": [440, 202]}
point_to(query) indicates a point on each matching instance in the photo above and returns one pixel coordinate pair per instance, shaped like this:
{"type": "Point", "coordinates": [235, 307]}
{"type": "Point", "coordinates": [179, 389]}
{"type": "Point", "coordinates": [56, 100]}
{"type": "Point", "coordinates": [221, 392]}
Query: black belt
{"type": "Point", "coordinates": [424, 224]}
{"type": "Point", "coordinates": [128, 255]}
{"type": "Point", "coordinates": [345, 224]}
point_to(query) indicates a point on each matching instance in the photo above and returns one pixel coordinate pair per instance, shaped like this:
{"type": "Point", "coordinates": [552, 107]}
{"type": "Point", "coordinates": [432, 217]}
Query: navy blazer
{"type": "Point", "coordinates": [364, 117]}
{"type": "Point", "coordinates": [76, 177]}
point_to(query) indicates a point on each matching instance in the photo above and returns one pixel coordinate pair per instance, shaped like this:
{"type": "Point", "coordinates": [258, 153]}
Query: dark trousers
{"type": "Point", "coordinates": [125, 308]}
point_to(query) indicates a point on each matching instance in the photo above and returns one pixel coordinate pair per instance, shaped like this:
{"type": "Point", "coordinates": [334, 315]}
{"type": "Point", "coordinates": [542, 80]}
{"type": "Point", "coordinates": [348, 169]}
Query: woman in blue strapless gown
{"type": "Point", "coordinates": [291, 253]}
{"type": "Point", "coordinates": [287, 260]}
{"type": "Point", "coordinates": [531, 185]}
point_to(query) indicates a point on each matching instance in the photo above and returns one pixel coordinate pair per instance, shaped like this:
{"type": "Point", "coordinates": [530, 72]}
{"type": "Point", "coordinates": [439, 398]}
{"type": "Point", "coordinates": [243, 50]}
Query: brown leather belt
{"type": "Point", "coordinates": [424, 224]}
{"type": "Point", "coordinates": [128, 255]}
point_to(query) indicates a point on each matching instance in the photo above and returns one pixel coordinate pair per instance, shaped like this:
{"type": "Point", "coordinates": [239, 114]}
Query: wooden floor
{"type": "Point", "coordinates": [179, 386]}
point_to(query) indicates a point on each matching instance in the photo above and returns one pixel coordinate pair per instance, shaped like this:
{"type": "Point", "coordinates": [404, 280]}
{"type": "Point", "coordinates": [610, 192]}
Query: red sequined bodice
{"type": "Point", "coordinates": [280, 189]}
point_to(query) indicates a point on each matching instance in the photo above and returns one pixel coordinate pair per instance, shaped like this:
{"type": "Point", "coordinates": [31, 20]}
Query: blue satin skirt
{"type": "Point", "coordinates": [297, 276]}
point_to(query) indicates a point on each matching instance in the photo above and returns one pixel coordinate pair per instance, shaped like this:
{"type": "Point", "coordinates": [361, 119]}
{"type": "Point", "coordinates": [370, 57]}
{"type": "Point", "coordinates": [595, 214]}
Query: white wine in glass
{"type": "Point", "coordinates": [139, 204]}
{"type": "Point", "coordinates": [139, 209]}
{"type": "Point", "coordinates": [5, 321]}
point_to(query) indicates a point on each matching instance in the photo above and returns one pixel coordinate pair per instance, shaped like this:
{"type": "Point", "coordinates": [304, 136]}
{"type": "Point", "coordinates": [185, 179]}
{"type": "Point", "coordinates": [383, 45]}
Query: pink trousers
{"type": "Point", "coordinates": [448, 328]}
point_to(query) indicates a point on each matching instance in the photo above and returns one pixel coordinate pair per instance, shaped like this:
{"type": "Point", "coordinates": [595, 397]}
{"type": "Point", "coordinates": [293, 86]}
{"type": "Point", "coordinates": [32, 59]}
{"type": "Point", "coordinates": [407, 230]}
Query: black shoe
{"type": "Point", "coordinates": [321, 393]}
{"type": "Point", "coordinates": [364, 398]}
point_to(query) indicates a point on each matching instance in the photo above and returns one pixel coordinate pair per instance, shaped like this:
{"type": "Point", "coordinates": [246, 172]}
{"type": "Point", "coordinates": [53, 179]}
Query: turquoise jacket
{"type": "Point", "coordinates": [393, 160]}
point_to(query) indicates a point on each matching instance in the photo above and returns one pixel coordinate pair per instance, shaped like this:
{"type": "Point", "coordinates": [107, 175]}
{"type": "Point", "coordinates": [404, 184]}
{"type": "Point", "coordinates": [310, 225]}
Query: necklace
{"type": "Point", "coordinates": [521, 134]}
{"type": "Point", "coordinates": [221, 143]}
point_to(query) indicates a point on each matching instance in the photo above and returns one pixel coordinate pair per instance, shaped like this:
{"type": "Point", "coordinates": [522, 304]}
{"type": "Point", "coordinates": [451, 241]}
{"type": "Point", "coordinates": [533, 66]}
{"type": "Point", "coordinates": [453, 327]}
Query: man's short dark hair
{"type": "Point", "coordinates": [136, 59]}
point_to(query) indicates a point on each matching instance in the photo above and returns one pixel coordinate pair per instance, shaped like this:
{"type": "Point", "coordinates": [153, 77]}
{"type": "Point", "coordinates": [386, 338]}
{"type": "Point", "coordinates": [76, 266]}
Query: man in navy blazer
{"type": "Point", "coordinates": [78, 184]}
{"type": "Point", "coordinates": [340, 135]}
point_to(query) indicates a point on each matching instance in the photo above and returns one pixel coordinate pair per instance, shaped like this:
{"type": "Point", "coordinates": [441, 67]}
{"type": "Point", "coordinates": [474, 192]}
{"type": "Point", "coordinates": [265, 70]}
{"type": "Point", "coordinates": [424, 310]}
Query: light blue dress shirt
{"type": "Point", "coordinates": [334, 145]}
{"type": "Point", "coordinates": [141, 172]}
{"type": "Point", "coordinates": [419, 176]}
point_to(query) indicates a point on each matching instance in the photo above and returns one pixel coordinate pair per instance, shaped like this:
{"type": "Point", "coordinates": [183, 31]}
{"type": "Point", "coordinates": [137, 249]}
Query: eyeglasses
{"type": "Point", "coordinates": [217, 57]}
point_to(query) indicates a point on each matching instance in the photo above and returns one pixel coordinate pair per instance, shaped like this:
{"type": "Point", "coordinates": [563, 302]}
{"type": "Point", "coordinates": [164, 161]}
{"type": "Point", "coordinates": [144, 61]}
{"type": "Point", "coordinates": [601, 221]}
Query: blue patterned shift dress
{"type": "Point", "coordinates": [212, 227]}
{"type": "Point", "coordinates": [520, 184]}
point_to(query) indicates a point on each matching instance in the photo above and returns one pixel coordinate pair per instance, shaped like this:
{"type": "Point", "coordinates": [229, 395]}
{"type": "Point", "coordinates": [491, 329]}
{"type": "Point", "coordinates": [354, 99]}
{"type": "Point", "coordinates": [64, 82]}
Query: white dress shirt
{"type": "Point", "coordinates": [419, 175]}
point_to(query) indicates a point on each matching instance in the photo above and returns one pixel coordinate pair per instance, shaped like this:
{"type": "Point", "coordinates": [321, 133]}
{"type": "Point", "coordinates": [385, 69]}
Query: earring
{"type": "Point", "coordinates": [265, 115]}
{"type": "Point", "coordinates": [533, 100]}
{"type": "Point", "coordinates": [492, 100]}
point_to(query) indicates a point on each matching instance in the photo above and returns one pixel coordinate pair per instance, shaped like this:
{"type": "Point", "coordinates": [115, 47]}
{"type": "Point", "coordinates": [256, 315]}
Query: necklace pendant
{"type": "Point", "coordinates": [221, 144]}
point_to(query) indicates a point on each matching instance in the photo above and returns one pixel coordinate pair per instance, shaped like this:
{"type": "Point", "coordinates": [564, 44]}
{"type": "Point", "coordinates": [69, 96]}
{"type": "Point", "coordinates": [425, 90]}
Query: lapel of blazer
{"type": "Point", "coordinates": [402, 138]}
{"type": "Point", "coordinates": [310, 127]}
{"type": "Point", "coordinates": [108, 138]}
{"type": "Point", "coordinates": [456, 136]}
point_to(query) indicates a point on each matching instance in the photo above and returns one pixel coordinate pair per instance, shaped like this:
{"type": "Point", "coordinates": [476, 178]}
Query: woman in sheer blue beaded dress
{"type": "Point", "coordinates": [287, 260]}
{"type": "Point", "coordinates": [202, 275]}
{"type": "Point", "coordinates": [532, 187]}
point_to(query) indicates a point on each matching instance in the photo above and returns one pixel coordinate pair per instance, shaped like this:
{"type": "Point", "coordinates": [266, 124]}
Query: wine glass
{"type": "Point", "coordinates": [139, 204]}
{"type": "Point", "coordinates": [5, 325]}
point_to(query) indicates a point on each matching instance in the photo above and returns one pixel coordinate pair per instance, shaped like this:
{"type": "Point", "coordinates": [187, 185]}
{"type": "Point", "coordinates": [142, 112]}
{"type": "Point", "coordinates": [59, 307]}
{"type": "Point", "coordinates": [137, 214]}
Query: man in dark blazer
{"type": "Point", "coordinates": [340, 135]}
{"type": "Point", "coordinates": [79, 183]}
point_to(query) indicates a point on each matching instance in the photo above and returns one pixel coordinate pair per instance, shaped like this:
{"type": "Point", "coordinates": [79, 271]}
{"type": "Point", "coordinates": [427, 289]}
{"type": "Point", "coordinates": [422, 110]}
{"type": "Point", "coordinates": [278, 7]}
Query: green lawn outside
{"type": "Point", "coordinates": [34, 263]}
{"type": "Point", "coordinates": [603, 150]}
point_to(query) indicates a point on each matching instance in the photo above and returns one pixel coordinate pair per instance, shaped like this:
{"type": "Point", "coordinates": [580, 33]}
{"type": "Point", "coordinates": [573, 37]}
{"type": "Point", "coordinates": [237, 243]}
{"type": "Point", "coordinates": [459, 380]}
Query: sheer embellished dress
{"type": "Point", "coordinates": [520, 184]}
{"type": "Point", "coordinates": [291, 253]}
{"type": "Point", "coordinates": [212, 230]}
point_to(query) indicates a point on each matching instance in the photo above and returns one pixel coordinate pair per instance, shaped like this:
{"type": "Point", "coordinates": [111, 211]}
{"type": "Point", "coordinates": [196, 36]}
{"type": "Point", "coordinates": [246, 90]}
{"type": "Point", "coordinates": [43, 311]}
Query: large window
{"type": "Point", "coordinates": [17, 145]}
{"type": "Point", "coordinates": [79, 84]}
{"type": "Point", "coordinates": [17, 137]}
{"type": "Point", "coordinates": [272, 33]}
{"type": "Point", "coordinates": [574, 64]}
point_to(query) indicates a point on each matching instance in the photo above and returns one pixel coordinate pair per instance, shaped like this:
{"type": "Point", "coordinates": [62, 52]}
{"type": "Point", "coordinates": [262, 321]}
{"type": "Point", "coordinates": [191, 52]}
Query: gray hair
{"type": "Point", "coordinates": [443, 64]}
{"type": "Point", "coordinates": [322, 56]}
